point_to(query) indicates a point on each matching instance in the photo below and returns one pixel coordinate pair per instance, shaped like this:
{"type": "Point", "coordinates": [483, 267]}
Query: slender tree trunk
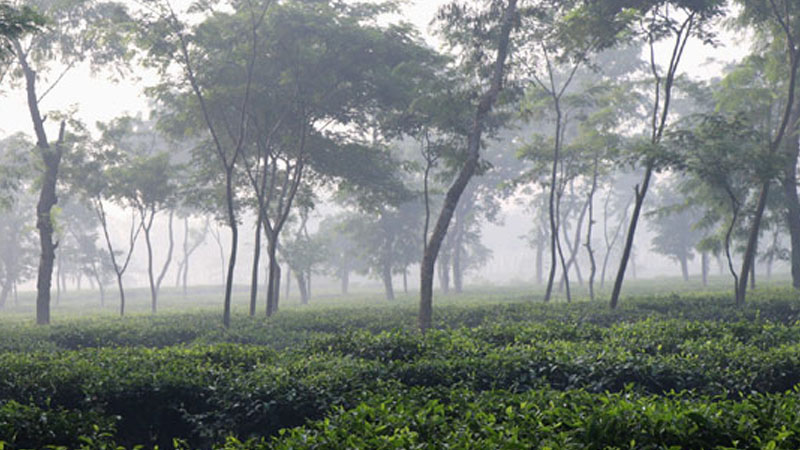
{"type": "Point", "coordinates": [405, 280]}
{"type": "Point", "coordinates": [302, 286]}
{"type": "Point", "coordinates": [58, 283]}
{"type": "Point", "coordinates": [150, 277]}
{"type": "Point", "coordinates": [704, 267]}
{"type": "Point", "coordinates": [487, 100]}
{"type": "Point", "coordinates": [684, 267]}
{"type": "Point", "coordinates": [4, 293]}
{"type": "Point", "coordinates": [256, 259]}
{"type": "Point", "coordinates": [748, 259]}
{"type": "Point", "coordinates": [170, 249]}
{"type": "Point", "coordinates": [386, 276]}
{"type": "Point", "coordinates": [272, 246]}
{"type": "Point", "coordinates": [47, 193]}
{"type": "Point", "coordinates": [539, 262]}
{"type": "Point", "coordinates": [234, 227]}
{"type": "Point", "coordinates": [592, 263]}
{"type": "Point", "coordinates": [575, 246]}
{"type": "Point", "coordinates": [277, 294]}
{"type": "Point", "coordinates": [641, 191]}
{"type": "Point", "coordinates": [659, 121]}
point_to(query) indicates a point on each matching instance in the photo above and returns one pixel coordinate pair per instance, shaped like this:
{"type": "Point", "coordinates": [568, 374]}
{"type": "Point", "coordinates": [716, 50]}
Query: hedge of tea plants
{"type": "Point", "coordinates": [668, 372]}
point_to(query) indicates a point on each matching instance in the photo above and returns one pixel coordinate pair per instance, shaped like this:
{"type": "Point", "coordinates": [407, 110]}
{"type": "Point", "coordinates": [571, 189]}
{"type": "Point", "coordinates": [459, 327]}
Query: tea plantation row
{"type": "Point", "coordinates": [690, 372]}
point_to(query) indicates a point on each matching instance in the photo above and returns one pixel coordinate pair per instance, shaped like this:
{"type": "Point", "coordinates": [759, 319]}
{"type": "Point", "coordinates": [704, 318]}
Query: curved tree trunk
{"type": "Point", "coordinates": [485, 104]}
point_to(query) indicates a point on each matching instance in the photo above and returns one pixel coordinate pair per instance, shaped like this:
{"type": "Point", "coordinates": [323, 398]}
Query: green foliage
{"type": "Point", "coordinates": [501, 375]}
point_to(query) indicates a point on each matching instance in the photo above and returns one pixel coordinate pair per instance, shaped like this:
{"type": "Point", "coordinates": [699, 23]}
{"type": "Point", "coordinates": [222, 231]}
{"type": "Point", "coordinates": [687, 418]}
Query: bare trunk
{"type": "Point", "coordinates": [592, 263]}
{"type": "Point", "coordinates": [704, 267]}
{"type": "Point", "coordinates": [273, 272]}
{"type": "Point", "coordinates": [487, 100]}
{"type": "Point", "coordinates": [386, 276]}
{"type": "Point", "coordinates": [170, 249]}
{"type": "Point", "coordinates": [256, 259]}
{"type": "Point", "coordinates": [47, 193]}
{"type": "Point", "coordinates": [539, 262]}
{"type": "Point", "coordinates": [234, 227]}
{"type": "Point", "coordinates": [151, 279]}
{"type": "Point", "coordinates": [641, 191]}
{"type": "Point", "coordinates": [748, 259]}
{"type": "Point", "coordinates": [302, 286]}
{"type": "Point", "coordinates": [684, 267]}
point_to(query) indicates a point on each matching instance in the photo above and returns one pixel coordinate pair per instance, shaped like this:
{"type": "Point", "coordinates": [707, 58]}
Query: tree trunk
{"type": "Point", "coordinates": [386, 276]}
{"type": "Point", "coordinates": [170, 249]}
{"type": "Point", "coordinates": [151, 279]}
{"type": "Point", "coordinates": [684, 267]}
{"type": "Point", "coordinates": [589, 250]}
{"type": "Point", "coordinates": [4, 293]}
{"type": "Point", "coordinates": [487, 100]}
{"type": "Point", "coordinates": [748, 259]}
{"type": "Point", "coordinates": [302, 286]}
{"type": "Point", "coordinates": [234, 227]}
{"type": "Point", "coordinates": [539, 262]}
{"type": "Point", "coordinates": [47, 193]}
{"type": "Point", "coordinates": [641, 191]}
{"type": "Point", "coordinates": [256, 259]}
{"type": "Point", "coordinates": [704, 267]}
{"type": "Point", "coordinates": [405, 280]}
{"type": "Point", "coordinates": [277, 294]}
{"type": "Point", "coordinates": [272, 246]}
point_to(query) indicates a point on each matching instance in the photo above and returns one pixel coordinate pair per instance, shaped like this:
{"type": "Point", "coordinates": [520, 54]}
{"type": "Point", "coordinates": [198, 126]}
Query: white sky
{"type": "Point", "coordinates": [98, 99]}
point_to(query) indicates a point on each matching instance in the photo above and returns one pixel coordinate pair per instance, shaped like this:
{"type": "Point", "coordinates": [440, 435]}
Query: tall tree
{"type": "Point", "coordinates": [70, 37]}
{"type": "Point", "coordinates": [660, 20]}
{"type": "Point", "coordinates": [781, 19]}
{"type": "Point", "coordinates": [226, 41]}
{"type": "Point", "coordinates": [497, 24]}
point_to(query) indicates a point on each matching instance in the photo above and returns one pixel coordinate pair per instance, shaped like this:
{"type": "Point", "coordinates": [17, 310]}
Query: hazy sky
{"type": "Point", "coordinates": [97, 99]}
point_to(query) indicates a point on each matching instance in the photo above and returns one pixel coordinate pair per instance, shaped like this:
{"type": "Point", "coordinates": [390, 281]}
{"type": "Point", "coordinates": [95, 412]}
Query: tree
{"type": "Point", "coordinates": [146, 184]}
{"type": "Point", "coordinates": [498, 24]}
{"type": "Point", "coordinates": [222, 40]}
{"type": "Point", "coordinates": [675, 227]}
{"type": "Point", "coordinates": [659, 20]}
{"type": "Point", "coordinates": [780, 20]}
{"type": "Point", "coordinates": [727, 160]}
{"type": "Point", "coordinates": [70, 37]}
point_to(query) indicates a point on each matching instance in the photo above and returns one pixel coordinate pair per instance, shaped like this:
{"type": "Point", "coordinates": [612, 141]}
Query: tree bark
{"type": "Point", "coordinates": [256, 259]}
{"type": "Point", "coordinates": [170, 249]}
{"type": "Point", "coordinates": [47, 193]}
{"type": "Point", "coordinates": [386, 276]}
{"type": "Point", "coordinates": [684, 267]}
{"type": "Point", "coordinates": [487, 100]}
{"type": "Point", "coordinates": [589, 250]}
{"type": "Point", "coordinates": [659, 122]}
{"type": "Point", "coordinates": [704, 267]}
